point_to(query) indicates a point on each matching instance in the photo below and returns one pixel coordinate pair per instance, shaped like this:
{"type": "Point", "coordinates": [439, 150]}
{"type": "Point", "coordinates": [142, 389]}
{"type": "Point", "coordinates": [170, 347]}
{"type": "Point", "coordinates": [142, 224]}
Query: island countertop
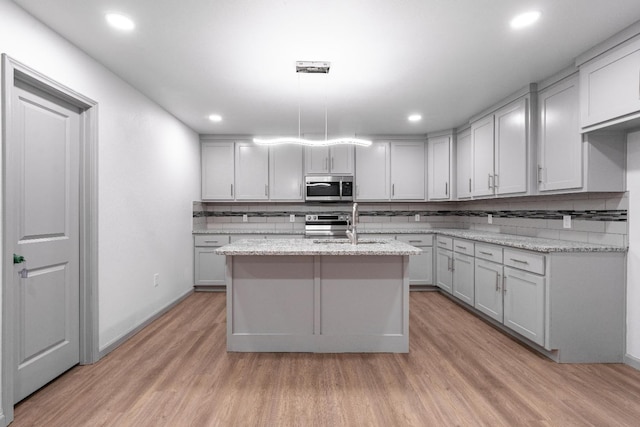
{"type": "Point", "coordinates": [317, 247]}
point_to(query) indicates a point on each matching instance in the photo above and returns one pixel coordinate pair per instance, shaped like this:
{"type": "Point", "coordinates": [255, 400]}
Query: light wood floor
{"type": "Point", "coordinates": [460, 371]}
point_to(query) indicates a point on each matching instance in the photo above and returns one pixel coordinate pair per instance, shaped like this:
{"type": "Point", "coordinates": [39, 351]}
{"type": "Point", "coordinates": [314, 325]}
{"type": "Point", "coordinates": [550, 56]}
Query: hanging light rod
{"type": "Point", "coordinates": [312, 142]}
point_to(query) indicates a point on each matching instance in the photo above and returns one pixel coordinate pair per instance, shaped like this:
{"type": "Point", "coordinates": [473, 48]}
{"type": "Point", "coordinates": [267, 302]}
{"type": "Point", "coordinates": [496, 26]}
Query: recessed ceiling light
{"type": "Point", "coordinates": [120, 21]}
{"type": "Point", "coordinates": [415, 118]}
{"type": "Point", "coordinates": [215, 118]}
{"type": "Point", "coordinates": [525, 19]}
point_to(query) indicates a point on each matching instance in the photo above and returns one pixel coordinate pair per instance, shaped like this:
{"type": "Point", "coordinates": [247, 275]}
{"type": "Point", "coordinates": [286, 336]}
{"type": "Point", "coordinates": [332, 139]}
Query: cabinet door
{"type": "Point", "coordinates": [444, 273]}
{"type": "Point", "coordinates": [407, 170]}
{"type": "Point", "coordinates": [341, 159]}
{"type": "Point", "coordinates": [217, 170]}
{"type": "Point", "coordinates": [439, 168]}
{"type": "Point", "coordinates": [316, 160]}
{"type": "Point", "coordinates": [373, 172]}
{"type": "Point", "coordinates": [482, 144]}
{"type": "Point", "coordinates": [209, 267]}
{"type": "Point", "coordinates": [511, 143]}
{"type": "Point", "coordinates": [610, 86]}
{"type": "Point", "coordinates": [285, 172]}
{"type": "Point", "coordinates": [559, 138]}
{"type": "Point", "coordinates": [252, 171]}
{"type": "Point", "coordinates": [524, 304]}
{"type": "Point", "coordinates": [463, 283]}
{"type": "Point", "coordinates": [464, 166]}
{"type": "Point", "coordinates": [421, 267]}
{"type": "Point", "coordinates": [488, 288]}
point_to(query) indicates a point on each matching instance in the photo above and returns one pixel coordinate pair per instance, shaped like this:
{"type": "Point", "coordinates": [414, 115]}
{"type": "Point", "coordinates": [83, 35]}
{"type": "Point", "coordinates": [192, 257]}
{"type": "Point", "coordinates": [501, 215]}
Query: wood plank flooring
{"type": "Point", "coordinates": [460, 371]}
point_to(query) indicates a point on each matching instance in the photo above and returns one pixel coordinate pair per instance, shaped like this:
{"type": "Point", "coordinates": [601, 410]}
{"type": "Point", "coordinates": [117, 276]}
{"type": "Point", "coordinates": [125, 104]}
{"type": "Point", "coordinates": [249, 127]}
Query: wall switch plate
{"type": "Point", "coordinates": [292, 218]}
{"type": "Point", "coordinates": [566, 221]}
{"type": "Point", "coordinates": [156, 280]}
{"type": "Point", "coordinates": [489, 219]}
{"type": "Point", "coordinates": [245, 218]}
{"type": "Point", "coordinates": [416, 218]}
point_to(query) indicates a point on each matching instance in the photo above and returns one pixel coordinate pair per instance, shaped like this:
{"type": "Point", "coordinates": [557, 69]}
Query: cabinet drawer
{"type": "Point", "coordinates": [444, 242]}
{"type": "Point", "coordinates": [210, 240]}
{"type": "Point", "coordinates": [488, 252]}
{"type": "Point", "coordinates": [527, 261]}
{"type": "Point", "coordinates": [463, 247]}
{"type": "Point", "coordinates": [416, 239]}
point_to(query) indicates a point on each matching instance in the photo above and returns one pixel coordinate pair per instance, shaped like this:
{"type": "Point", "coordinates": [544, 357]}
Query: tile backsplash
{"type": "Point", "coordinates": [596, 217]}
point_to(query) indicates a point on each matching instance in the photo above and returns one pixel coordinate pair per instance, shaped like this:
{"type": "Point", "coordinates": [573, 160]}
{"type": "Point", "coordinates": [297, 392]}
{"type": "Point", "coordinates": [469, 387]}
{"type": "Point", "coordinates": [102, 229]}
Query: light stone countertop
{"type": "Point", "coordinates": [317, 247]}
{"type": "Point", "coordinates": [520, 242]}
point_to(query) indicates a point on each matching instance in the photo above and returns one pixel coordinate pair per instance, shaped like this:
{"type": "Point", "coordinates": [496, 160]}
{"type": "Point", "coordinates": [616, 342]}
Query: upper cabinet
{"type": "Point", "coordinates": [217, 170]}
{"type": "Point", "coordinates": [242, 170]}
{"type": "Point", "coordinates": [335, 160]}
{"type": "Point", "coordinates": [464, 168]}
{"type": "Point", "coordinates": [569, 161]}
{"type": "Point", "coordinates": [610, 87]}
{"type": "Point", "coordinates": [502, 149]}
{"type": "Point", "coordinates": [439, 158]}
{"type": "Point", "coordinates": [390, 171]}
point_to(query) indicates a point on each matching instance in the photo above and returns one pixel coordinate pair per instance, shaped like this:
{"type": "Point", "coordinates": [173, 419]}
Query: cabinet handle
{"type": "Point", "coordinates": [393, 190]}
{"type": "Point", "coordinates": [497, 282]}
{"type": "Point", "coordinates": [443, 244]}
{"type": "Point", "coordinates": [489, 182]}
{"type": "Point", "coordinates": [332, 162]}
{"type": "Point", "coordinates": [539, 174]}
{"type": "Point", "coordinates": [469, 185]}
{"type": "Point", "coordinates": [485, 253]}
{"type": "Point", "coordinates": [266, 189]}
{"type": "Point", "coordinates": [504, 283]}
{"type": "Point", "coordinates": [415, 241]}
{"type": "Point", "coordinates": [461, 247]}
{"type": "Point", "coordinates": [495, 181]}
{"type": "Point", "coordinates": [231, 190]}
{"type": "Point", "coordinates": [452, 264]}
{"type": "Point", "coordinates": [300, 189]}
{"type": "Point", "coordinates": [519, 261]}
{"type": "Point", "coordinates": [446, 188]}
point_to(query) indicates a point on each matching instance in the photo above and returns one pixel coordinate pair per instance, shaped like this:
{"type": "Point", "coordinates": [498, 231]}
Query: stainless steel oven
{"type": "Point", "coordinates": [326, 226]}
{"type": "Point", "coordinates": [331, 188]}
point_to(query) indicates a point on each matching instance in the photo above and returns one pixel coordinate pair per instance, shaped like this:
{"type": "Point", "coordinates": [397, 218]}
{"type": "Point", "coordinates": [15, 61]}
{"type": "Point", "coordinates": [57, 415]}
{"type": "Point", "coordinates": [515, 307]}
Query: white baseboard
{"type": "Point", "coordinates": [632, 361]}
{"type": "Point", "coordinates": [118, 342]}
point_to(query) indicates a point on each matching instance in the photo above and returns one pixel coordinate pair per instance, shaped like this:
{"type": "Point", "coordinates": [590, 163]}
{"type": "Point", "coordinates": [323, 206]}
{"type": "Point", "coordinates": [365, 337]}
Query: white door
{"type": "Point", "coordinates": [511, 149]}
{"type": "Point", "coordinates": [482, 143]}
{"type": "Point", "coordinates": [373, 172]}
{"type": "Point", "coordinates": [524, 304]}
{"type": "Point", "coordinates": [407, 170]}
{"type": "Point", "coordinates": [439, 168]}
{"type": "Point", "coordinates": [463, 284]}
{"type": "Point", "coordinates": [252, 171]}
{"type": "Point", "coordinates": [341, 159]}
{"type": "Point", "coordinates": [285, 172]}
{"type": "Point", "coordinates": [463, 165]}
{"type": "Point", "coordinates": [217, 170]}
{"type": "Point", "coordinates": [444, 270]}
{"type": "Point", "coordinates": [488, 288]}
{"type": "Point", "coordinates": [43, 174]}
{"type": "Point", "coordinates": [316, 160]}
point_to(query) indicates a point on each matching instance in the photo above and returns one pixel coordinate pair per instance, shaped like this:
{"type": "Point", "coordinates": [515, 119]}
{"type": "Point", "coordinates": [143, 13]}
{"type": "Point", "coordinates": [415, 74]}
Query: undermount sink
{"type": "Point", "coordinates": [346, 241]}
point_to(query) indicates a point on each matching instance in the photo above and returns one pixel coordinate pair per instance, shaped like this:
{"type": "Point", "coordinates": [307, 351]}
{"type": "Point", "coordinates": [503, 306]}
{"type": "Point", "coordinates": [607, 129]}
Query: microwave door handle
{"type": "Point", "coordinates": [318, 184]}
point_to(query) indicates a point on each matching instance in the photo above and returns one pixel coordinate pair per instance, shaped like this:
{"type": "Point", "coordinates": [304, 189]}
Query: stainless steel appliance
{"type": "Point", "coordinates": [327, 226]}
{"type": "Point", "coordinates": [332, 188]}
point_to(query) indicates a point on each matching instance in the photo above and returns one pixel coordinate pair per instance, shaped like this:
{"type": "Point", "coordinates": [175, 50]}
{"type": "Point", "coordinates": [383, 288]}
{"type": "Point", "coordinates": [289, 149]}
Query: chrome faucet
{"type": "Point", "coordinates": [352, 232]}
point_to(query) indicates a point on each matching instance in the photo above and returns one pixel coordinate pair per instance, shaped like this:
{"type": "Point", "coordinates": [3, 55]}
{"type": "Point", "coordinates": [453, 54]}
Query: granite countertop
{"type": "Point", "coordinates": [536, 244]}
{"type": "Point", "coordinates": [317, 247]}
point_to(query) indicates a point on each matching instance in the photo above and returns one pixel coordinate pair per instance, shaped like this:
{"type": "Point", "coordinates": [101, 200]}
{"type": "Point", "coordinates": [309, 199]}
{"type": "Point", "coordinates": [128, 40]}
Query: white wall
{"type": "Point", "coordinates": [148, 178]}
{"type": "Point", "coordinates": [633, 256]}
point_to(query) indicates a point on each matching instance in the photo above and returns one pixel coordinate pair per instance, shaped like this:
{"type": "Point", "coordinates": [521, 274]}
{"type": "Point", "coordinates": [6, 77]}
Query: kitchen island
{"type": "Point", "coordinates": [322, 296]}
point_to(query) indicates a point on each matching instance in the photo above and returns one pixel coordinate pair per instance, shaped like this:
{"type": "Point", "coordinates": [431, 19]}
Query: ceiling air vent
{"type": "Point", "coordinates": [313, 67]}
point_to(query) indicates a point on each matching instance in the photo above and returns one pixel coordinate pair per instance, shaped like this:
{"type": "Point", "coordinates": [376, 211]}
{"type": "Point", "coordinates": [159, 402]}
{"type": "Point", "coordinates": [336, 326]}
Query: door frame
{"type": "Point", "coordinates": [13, 70]}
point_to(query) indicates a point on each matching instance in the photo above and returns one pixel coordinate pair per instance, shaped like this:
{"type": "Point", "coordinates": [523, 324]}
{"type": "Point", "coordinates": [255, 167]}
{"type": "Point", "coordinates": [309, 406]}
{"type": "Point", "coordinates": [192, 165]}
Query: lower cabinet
{"type": "Point", "coordinates": [444, 263]}
{"type": "Point", "coordinates": [209, 267]}
{"type": "Point", "coordinates": [420, 266]}
{"type": "Point", "coordinates": [488, 288]}
{"type": "Point", "coordinates": [523, 294]}
{"type": "Point", "coordinates": [463, 271]}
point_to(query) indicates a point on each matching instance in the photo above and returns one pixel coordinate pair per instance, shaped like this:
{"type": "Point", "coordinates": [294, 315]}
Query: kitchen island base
{"type": "Point", "coordinates": [318, 303]}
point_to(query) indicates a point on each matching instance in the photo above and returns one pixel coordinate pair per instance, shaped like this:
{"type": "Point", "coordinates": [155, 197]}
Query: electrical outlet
{"type": "Point", "coordinates": [416, 218]}
{"type": "Point", "coordinates": [156, 280]}
{"type": "Point", "coordinates": [490, 219]}
{"type": "Point", "coordinates": [566, 221]}
{"type": "Point", "coordinates": [245, 218]}
{"type": "Point", "coordinates": [292, 218]}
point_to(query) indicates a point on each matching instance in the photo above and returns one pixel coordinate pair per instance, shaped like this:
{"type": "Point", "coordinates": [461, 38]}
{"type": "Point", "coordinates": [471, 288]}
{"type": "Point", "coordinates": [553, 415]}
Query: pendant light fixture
{"type": "Point", "coordinates": [312, 67]}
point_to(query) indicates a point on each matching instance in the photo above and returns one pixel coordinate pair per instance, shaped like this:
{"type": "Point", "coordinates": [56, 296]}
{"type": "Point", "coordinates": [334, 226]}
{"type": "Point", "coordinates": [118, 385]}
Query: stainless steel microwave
{"type": "Point", "coordinates": [330, 188]}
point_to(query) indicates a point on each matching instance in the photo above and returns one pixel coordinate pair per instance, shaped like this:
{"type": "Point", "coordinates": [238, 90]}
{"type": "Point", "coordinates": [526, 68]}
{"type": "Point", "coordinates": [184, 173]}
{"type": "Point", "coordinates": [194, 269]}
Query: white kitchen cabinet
{"type": "Point", "coordinates": [502, 144]}
{"type": "Point", "coordinates": [286, 172]}
{"type": "Point", "coordinates": [209, 268]}
{"type": "Point", "coordinates": [569, 161]}
{"type": "Point", "coordinates": [439, 159]}
{"type": "Point", "coordinates": [463, 270]}
{"type": "Point", "coordinates": [252, 171]}
{"type": "Point", "coordinates": [420, 266]}
{"type": "Point", "coordinates": [336, 160]}
{"type": "Point", "coordinates": [464, 166]}
{"type": "Point", "coordinates": [559, 138]}
{"type": "Point", "coordinates": [444, 263]}
{"type": "Point", "coordinates": [488, 288]}
{"type": "Point", "coordinates": [217, 170]}
{"type": "Point", "coordinates": [407, 170]}
{"type": "Point", "coordinates": [610, 87]}
{"type": "Point", "coordinates": [373, 172]}
{"type": "Point", "coordinates": [524, 303]}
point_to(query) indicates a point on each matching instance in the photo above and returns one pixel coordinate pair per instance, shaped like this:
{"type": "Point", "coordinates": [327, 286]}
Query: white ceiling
{"type": "Point", "coordinates": [444, 59]}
